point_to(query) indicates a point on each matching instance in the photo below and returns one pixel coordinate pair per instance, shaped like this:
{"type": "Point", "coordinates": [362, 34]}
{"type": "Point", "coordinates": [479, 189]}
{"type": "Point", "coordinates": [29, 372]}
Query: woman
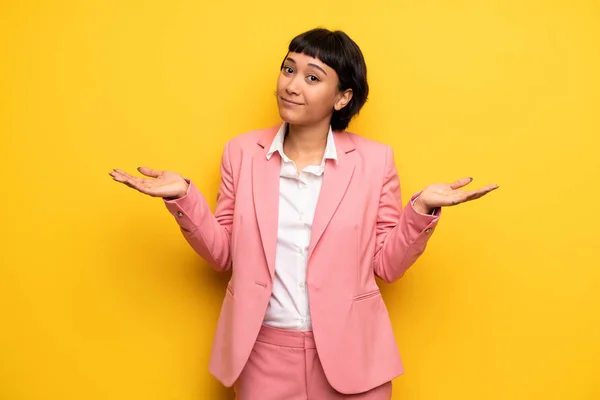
{"type": "Point", "coordinates": [307, 215]}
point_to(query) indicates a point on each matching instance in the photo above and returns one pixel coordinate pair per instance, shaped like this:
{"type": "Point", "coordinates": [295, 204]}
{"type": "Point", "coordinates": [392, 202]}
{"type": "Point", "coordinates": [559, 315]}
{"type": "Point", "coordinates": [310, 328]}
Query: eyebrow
{"type": "Point", "coordinates": [311, 64]}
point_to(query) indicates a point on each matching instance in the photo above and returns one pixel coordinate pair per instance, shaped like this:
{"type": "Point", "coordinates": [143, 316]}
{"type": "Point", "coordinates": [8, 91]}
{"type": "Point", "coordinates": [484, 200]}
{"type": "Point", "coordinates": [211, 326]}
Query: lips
{"type": "Point", "coordinates": [290, 102]}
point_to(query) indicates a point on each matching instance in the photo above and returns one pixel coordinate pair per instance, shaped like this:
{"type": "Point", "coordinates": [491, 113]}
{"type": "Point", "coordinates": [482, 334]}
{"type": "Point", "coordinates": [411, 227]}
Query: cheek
{"type": "Point", "coordinates": [322, 97]}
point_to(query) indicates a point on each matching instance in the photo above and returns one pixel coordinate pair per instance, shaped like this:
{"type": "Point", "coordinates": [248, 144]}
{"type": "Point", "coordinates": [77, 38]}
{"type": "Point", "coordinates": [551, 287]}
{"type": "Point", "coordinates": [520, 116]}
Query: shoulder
{"type": "Point", "coordinates": [371, 150]}
{"type": "Point", "coordinates": [251, 140]}
{"type": "Point", "coordinates": [365, 144]}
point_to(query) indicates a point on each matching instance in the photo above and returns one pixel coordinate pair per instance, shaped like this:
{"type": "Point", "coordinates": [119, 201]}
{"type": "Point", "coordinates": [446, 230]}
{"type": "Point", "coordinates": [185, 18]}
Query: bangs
{"type": "Point", "coordinates": [321, 44]}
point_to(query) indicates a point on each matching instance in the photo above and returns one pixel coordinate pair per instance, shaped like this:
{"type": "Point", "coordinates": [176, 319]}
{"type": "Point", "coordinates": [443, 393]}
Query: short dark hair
{"type": "Point", "coordinates": [342, 54]}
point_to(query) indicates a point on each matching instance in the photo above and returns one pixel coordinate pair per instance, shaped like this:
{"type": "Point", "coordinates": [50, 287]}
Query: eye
{"type": "Point", "coordinates": [312, 78]}
{"type": "Point", "coordinates": [288, 70]}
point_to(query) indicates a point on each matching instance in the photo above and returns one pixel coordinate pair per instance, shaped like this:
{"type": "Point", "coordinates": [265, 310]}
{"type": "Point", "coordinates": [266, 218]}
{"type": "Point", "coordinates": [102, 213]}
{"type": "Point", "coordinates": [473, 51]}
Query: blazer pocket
{"type": "Point", "coordinates": [367, 295]}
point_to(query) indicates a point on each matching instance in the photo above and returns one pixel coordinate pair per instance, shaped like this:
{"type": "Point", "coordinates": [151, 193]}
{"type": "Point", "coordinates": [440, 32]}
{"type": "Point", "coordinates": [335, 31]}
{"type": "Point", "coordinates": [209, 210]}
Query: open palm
{"type": "Point", "coordinates": [165, 184]}
{"type": "Point", "coordinates": [448, 194]}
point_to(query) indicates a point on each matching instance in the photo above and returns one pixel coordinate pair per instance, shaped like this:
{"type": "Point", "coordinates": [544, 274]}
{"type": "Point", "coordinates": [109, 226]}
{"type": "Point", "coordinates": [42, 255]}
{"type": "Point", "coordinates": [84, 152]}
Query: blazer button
{"type": "Point", "coordinates": [179, 214]}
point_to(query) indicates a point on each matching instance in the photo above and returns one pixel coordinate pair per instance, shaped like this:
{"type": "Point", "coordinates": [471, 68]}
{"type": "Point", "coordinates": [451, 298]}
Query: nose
{"type": "Point", "coordinates": [293, 87]}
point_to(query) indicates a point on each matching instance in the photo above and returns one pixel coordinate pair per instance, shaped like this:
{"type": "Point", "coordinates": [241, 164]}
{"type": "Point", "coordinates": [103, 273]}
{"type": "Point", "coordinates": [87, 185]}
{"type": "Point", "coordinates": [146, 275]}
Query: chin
{"type": "Point", "coordinates": [289, 117]}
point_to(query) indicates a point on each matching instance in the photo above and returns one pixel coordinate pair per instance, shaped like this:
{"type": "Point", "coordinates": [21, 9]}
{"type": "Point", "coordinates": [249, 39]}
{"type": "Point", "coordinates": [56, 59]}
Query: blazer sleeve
{"type": "Point", "coordinates": [401, 234]}
{"type": "Point", "coordinates": [209, 234]}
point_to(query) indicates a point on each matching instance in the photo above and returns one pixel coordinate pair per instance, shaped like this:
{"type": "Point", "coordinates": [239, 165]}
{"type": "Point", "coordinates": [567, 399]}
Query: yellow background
{"type": "Point", "coordinates": [100, 296]}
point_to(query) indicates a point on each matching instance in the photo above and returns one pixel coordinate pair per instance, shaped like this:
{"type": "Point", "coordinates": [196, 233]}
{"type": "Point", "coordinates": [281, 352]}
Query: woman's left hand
{"type": "Point", "coordinates": [447, 194]}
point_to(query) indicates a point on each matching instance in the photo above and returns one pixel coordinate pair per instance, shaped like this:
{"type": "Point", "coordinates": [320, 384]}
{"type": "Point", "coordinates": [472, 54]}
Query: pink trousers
{"type": "Point", "coordinates": [284, 365]}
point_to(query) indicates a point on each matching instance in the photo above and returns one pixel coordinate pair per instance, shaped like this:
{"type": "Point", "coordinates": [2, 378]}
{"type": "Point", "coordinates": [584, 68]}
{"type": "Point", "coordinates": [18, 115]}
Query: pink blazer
{"type": "Point", "coordinates": [359, 231]}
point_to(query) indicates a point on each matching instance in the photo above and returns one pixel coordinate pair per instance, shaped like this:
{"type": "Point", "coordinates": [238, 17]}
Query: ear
{"type": "Point", "coordinates": [343, 99]}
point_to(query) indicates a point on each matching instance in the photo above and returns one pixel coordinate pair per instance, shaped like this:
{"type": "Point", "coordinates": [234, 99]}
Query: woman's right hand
{"type": "Point", "coordinates": [166, 184]}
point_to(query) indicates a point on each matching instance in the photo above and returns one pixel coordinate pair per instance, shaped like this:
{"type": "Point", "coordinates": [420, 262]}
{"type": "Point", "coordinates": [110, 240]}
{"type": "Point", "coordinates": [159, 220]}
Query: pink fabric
{"type": "Point", "coordinates": [284, 364]}
{"type": "Point", "coordinates": [360, 231]}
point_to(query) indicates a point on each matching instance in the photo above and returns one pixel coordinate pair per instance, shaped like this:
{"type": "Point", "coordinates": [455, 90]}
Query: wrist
{"type": "Point", "coordinates": [180, 194]}
{"type": "Point", "coordinates": [422, 208]}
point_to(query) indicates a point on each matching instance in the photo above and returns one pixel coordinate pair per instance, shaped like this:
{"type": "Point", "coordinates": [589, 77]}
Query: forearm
{"type": "Point", "coordinates": [403, 242]}
{"type": "Point", "coordinates": [205, 233]}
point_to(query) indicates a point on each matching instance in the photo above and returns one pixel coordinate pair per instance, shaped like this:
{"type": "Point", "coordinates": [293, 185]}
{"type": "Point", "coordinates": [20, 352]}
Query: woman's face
{"type": "Point", "coordinates": [307, 90]}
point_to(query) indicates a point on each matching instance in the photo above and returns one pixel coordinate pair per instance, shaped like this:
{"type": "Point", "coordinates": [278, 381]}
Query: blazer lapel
{"type": "Point", "coordinates": [336, 179]}
{"type": "Point", "coordinates": [265, 193]}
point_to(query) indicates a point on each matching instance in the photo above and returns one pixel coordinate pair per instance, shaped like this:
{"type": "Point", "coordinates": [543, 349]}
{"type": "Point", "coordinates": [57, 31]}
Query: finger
{"type": "Point", "coordinates": [458, 198]}
{"type": "Point", "coordinates": [125, 174]}
{"type": "Point", "coordinates": [131, 186]}
{"type": "Point", "coordinates": [460, 183]}
{"type": "Point", "coordinates": [476, 194]}
{"type": "Point", "coordinates": [120, 175]}
{"type": "Point", "coordinates": [144, 187]}
{"type": "Point", "coordinates": [121, 179]}
{"type": "Point", "coordinates": [129, 178]}
{"type": "Point", "coordinates": [149, 172]}
{"type": "Point", "coordinates": [117, 176]}
{"type": "Point", "coordinates": [453, 198]}
{"type": "Point", "coordinates": [485, 190]}
{"type": "Point", "coordinates": [133, 181]}
{"type": "Point", "coordinates": [141, 185]}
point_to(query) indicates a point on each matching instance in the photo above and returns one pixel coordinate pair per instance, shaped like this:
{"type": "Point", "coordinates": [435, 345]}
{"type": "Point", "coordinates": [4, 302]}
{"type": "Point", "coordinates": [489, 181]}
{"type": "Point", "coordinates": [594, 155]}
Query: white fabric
{"type": "Point", "coordinates": [298, 195]}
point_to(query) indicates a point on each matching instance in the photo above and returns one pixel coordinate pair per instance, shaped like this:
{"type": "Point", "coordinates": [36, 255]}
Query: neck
{"type": "Point", "coordinates": [306, 141]}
